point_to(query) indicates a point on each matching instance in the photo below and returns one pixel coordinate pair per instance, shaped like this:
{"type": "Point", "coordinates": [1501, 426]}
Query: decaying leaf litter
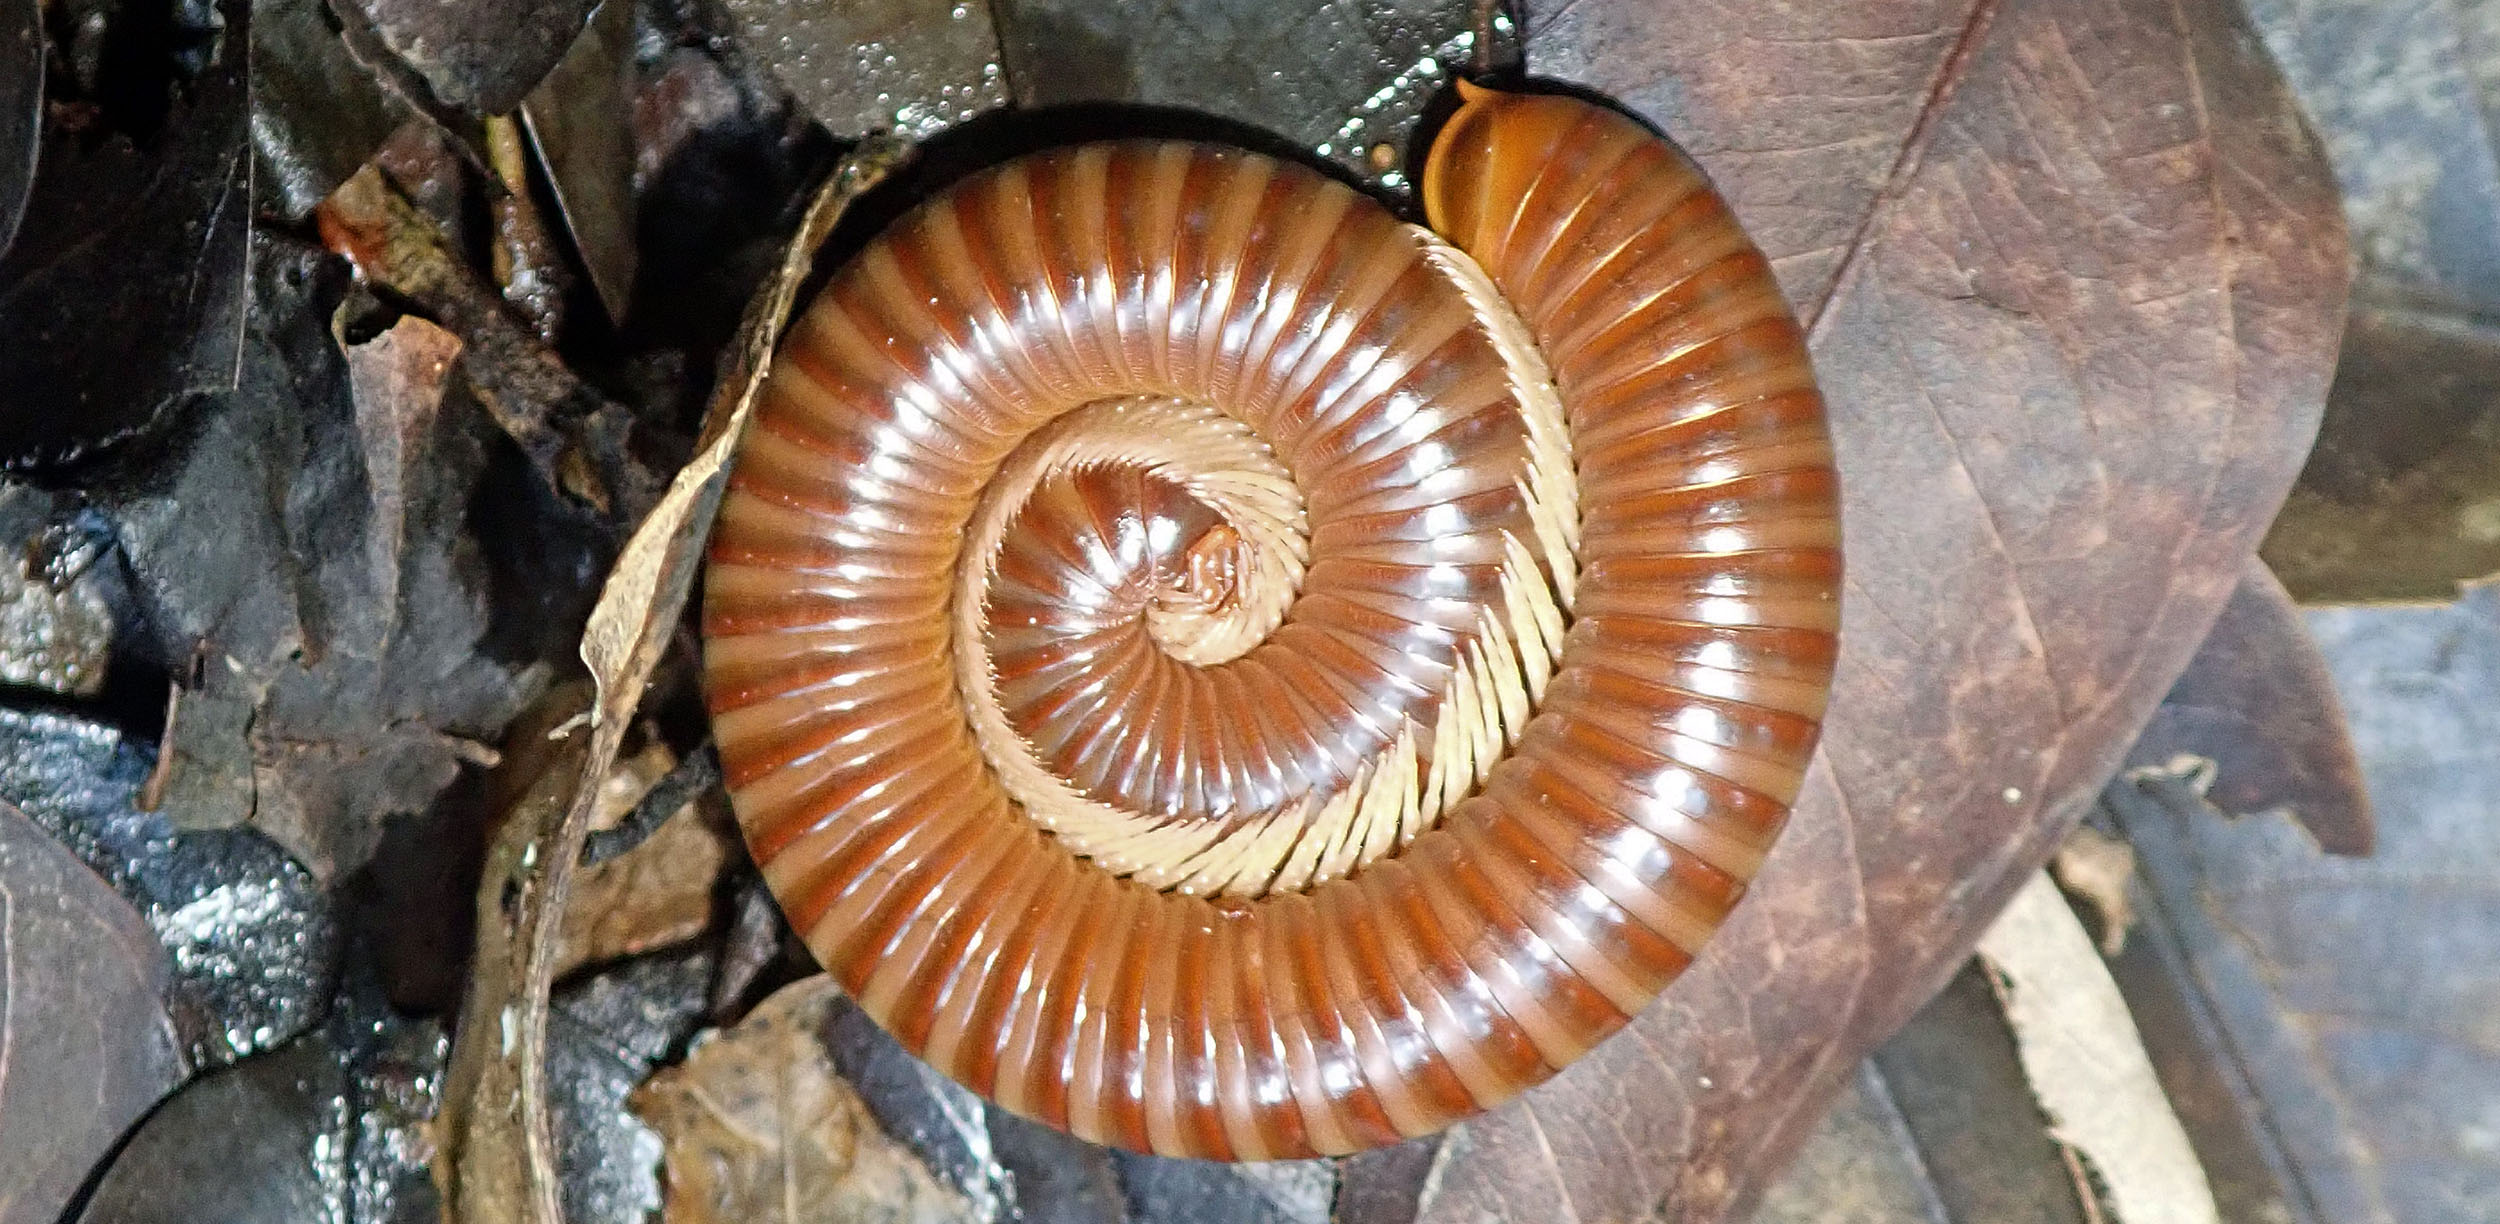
{"type": "Point", "coordinates": [2401, 499]}
{"type": "Point", "coordinates": [485, 329]}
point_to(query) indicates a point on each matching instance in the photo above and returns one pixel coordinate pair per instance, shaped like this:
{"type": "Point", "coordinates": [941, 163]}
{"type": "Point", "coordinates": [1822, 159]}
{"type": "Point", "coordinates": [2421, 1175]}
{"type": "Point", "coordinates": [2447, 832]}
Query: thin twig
{"type": "Point", "coordinates": [697, 773]}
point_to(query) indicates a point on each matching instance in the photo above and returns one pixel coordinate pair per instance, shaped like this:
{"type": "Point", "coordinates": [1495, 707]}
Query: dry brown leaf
{"type": "Point", "coordinates": [2073, 274]}
{"type": "Point", "coordinates": [499, 1152]}
{"type": "Point", "coordinates": [2096, 869]}
{"type": "Point", "coordinates": [761, 1129]}
{"type": "Point", "coordinates": [627, 782]}
{"type": "Point", "coordinates": [574, 436]}
{"type": "Point", "coordinates": [398, 379]}
{"type": "Point", "coordinates": [2087, 1064]}
{"type": "Point", "coordinates": [657, 894]}
{"type": "Point", "coordinates": [647, 588]}
{"type": "Point", "coordinates": [486, 1169]}
{"type": "Point", "coordinates": [2257, 703]}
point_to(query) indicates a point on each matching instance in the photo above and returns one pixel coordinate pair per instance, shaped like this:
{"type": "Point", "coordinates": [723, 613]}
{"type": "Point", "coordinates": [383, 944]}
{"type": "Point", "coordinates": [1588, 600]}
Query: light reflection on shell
{"type": "Point", "coordinates": [1218, 670]}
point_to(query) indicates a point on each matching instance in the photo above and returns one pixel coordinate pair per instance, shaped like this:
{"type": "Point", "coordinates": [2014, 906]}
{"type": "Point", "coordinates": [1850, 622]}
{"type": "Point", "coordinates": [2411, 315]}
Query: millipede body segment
{"type": "Point", "coordinates": [1228, 673]}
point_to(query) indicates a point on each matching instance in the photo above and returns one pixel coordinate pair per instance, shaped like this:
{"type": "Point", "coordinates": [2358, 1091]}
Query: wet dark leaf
{"type": "Point", "coordinates": [2073, 277]}
{"type": "Point", "coordinates": [21, 109]}
{"type": "Point", "coordinates": [57, 599]}
{"type": "Point", "coordinates": [340, 622]}
{"type": "Point", "coordinates": [907, 66]}
{"type": "Point", "coordinates": [1385, 1185]}
{"type": "Point", "coordinates": [479, 56]}
{"type": "Point", "coordinates": [124, 294]}
{"type": "Point", "coordinates": [1059, 1178]}
{"type": "Point", "coordinates": [722, 160]}
{"type": "Point", "coordinates": [580, 119]}
{"type": "Point", "coordinates": [252, 941]}
{"type": "Point", "coordinates": [2349, 1003]}
{"type": "Point", "coordinates": [939, 1120]}
{"type": "Point", "coordinates": [329, 1127]}
{"type": "Point", "coordinates": [317, 114]}
{"type": "Point", "coordinates": [1955, 1078]}
{"type": "Point", "coordinates": [192, 1161]}
{"type": "Point", "coordinates": [395, 1068]}
{"type": "Point", "coordinates": [1357, 76]}
{"type": "Point", "coordinates": [85, 1045]}
{"type": "Point", "coordinates": [604, 1037]}
{"type": "Point", "coordinates": [2257, 702]}
{"type": "Point", "coordinates": [757, 940]}
{"type": "Point", "coordinates": [1277, 1192]}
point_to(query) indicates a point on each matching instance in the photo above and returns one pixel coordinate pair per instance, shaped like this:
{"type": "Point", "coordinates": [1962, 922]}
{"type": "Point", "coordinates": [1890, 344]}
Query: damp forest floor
{"type": "Point", "coordinates": [351, 346]}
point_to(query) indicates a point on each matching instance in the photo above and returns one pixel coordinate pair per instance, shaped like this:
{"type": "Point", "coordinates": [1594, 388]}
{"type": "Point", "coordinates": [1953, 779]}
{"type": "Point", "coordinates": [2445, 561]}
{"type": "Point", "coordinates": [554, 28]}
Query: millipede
{"type": "Point", "coordinates": [1227, 672]}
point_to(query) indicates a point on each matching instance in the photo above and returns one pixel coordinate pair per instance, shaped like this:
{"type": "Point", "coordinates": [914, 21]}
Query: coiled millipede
{"type": "Point", "coordinates": [1228, 673]}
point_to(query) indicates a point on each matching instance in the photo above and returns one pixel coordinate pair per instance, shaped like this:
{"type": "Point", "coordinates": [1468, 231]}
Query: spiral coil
{"type": "Point", "coordinates": [1228, 673]}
